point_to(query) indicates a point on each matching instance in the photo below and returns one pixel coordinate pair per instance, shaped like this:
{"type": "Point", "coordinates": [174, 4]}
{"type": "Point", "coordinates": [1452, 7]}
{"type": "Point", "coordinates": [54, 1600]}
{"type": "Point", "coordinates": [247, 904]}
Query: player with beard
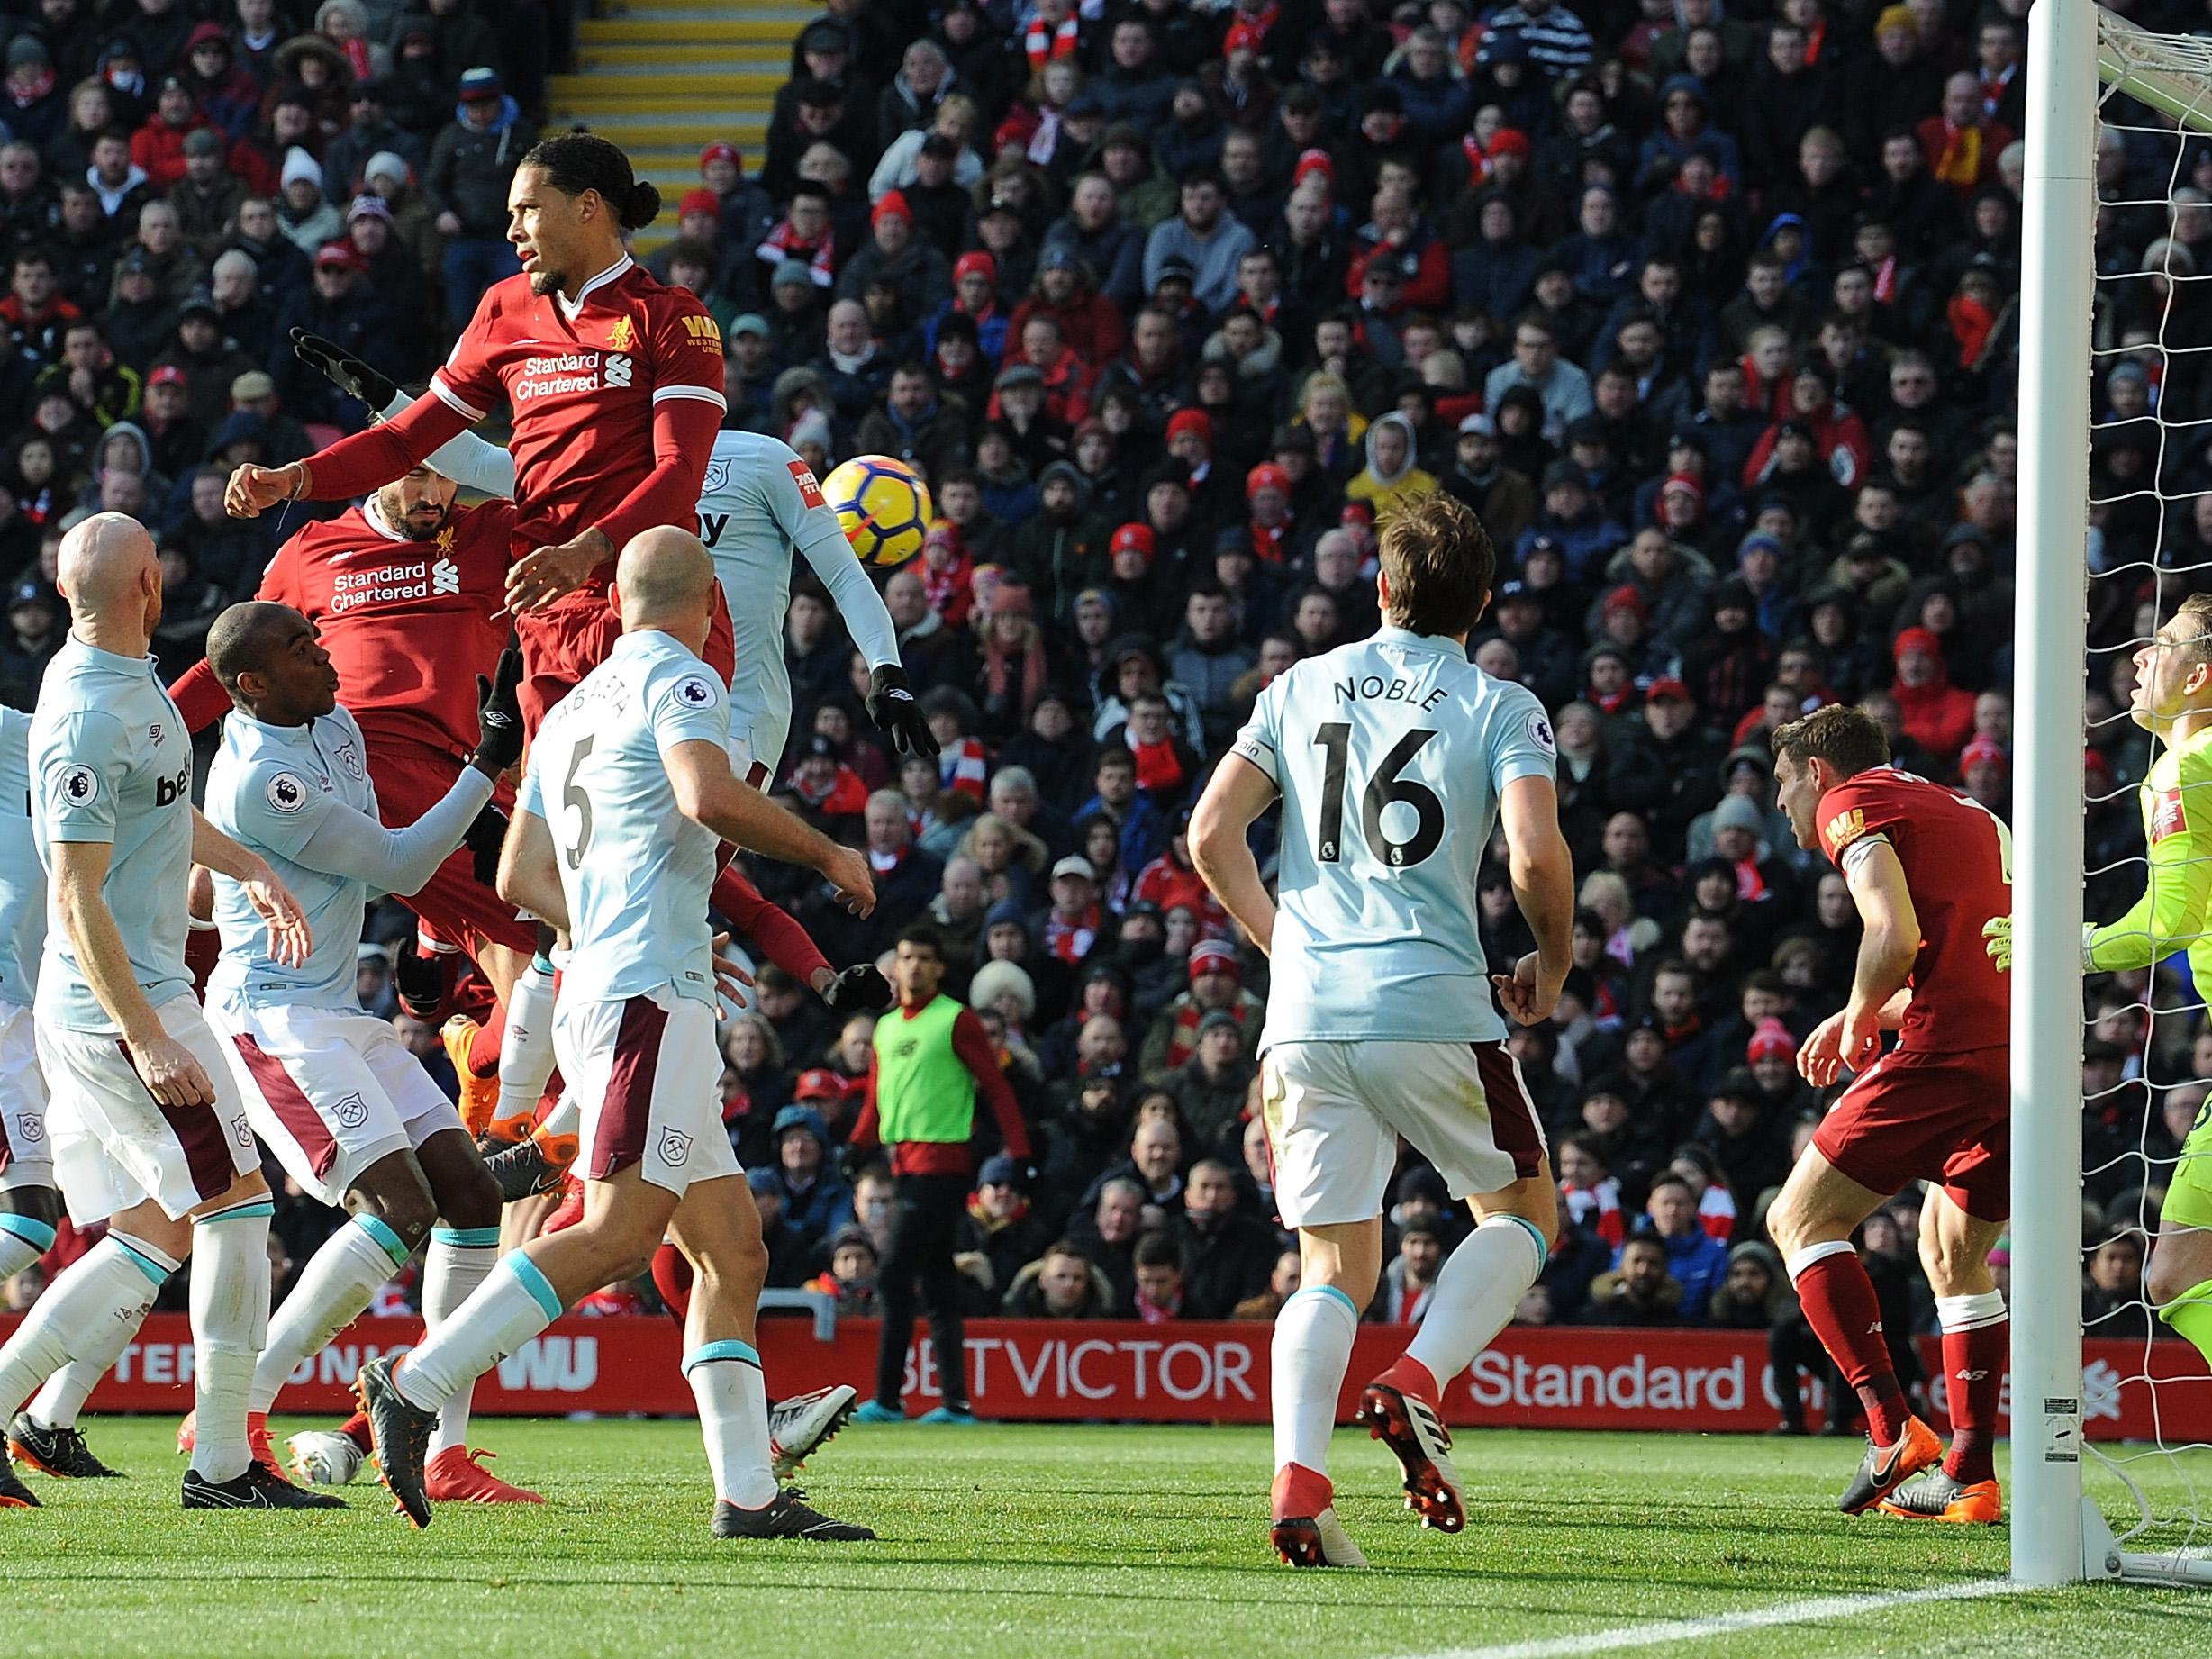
{"type": "Point", "coordinates": [615, 382]}
{"type": "Point", "coordinates": [408, 593]}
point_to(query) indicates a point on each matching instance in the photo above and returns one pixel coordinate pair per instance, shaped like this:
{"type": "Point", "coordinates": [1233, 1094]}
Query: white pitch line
{"type": "Point", "coordinates": [1658, 1635]}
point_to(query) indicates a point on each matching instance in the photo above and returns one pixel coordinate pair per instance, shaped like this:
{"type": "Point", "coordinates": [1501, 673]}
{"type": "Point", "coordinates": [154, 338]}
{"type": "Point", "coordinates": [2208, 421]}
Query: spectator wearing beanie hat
{"type": "Point", "coordinates": [1091, 326]}
{"type": "Point", "coordinates": [747, 211]}
{"type": "Point", "coordinates": [895, 254]}
{"type": "Point", "coordinates": [975, 297]}
{"type": "Point", "coordinates": [1986, 774]}
{"type": "Point", "coordinates": [1217, 986]}
{"type": "Point", "coordinates": [1937, 714]}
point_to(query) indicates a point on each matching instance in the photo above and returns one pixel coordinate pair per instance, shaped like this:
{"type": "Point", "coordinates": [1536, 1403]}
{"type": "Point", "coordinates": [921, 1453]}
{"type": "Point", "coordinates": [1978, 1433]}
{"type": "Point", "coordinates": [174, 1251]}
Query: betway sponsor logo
{"type": "Point", "coordinates": [571, 372]}
{"type": "Point", "coordinates": [1506, 1379]}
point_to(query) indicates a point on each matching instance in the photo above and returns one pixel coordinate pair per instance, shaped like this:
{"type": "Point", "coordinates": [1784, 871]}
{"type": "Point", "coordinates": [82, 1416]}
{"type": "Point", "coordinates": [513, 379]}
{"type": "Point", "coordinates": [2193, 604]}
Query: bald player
{"type": "Point", "coordinates": [351, 1113]}
{"type": "Point", "coordinates": [149, 1134]}
{"type": "Point", "coordinates": [613, 840]}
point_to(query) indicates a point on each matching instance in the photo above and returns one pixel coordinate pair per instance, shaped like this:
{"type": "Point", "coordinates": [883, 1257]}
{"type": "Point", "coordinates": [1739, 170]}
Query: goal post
{"type": "Point", "coordinates": [2050, 646]}
{"type": "Point", "coordinates": [2082, 60]}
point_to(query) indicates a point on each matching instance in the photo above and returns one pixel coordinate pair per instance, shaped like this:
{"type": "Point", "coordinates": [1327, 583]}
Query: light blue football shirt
{"type": "Point", "coordinates": [22, 879]}
{"type": "Point", "coordinates": [757, 502]}
{"type": "Point", "coordinates": [1391, 755]}
{"type": "Point", "coordinates": [635, 872]}
{"type": "Point", "coordinates": [301, 797]}
{"type": "Point", "coordinates": [111, 762]}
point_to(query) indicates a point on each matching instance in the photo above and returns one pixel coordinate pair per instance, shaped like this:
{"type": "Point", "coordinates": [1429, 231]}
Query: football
{"type": "Point", "coordinates": [882, 505]}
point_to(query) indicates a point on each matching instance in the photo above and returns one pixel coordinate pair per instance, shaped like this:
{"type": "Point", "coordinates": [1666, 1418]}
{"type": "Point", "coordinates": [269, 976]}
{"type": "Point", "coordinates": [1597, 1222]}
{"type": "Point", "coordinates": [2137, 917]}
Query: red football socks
{"type": "Point", "coordinates": [1839, 1304]}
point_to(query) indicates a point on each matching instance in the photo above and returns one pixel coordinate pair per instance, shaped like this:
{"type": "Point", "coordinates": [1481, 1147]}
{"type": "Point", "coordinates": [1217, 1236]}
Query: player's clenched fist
{"type": "Point", "coordinates": [252, 490]}
{"type": "Point", "coordinates": [1997, 930]}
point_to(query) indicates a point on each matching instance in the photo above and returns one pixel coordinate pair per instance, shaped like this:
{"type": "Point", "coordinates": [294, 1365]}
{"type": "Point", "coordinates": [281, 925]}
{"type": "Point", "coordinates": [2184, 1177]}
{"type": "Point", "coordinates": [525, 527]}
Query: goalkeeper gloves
{"type": "Point", "coordinates": [892, 708]}
{"type": "Point", "coordinates": [860, 989]}
{"type": "Point", "coordinates": [350, 374]}
{"type": "Point", "coordinates": [1997, 930]}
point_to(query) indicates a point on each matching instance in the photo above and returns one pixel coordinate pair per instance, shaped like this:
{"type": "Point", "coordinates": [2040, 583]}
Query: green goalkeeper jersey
{"type": "Point", "coordinates": [2175, 910]}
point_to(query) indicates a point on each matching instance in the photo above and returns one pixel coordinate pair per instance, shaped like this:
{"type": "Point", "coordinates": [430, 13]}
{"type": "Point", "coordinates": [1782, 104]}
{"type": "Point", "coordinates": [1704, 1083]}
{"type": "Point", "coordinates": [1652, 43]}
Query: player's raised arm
{"type": "Point", "coordinates": [1542, 871]}
{"type": "Point", "coordinates": [812, 526]}
{"type": "Point", "coordinates": [352, 467]}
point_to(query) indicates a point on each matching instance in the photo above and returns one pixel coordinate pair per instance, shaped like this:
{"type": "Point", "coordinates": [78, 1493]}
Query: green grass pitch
{"type": "Point", "coordinates": [1039, 1543]}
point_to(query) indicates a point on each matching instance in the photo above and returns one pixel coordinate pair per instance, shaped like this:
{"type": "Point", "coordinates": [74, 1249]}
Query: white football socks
{"type": "Point", "coordinates": [514, 1303]}
{"type": "Point", "coordinates": [21, 1242]}
{"type": "Point", "coordinates": [458, 1260]}
{"type": "Point", "coordinates": [1312, 1346]}
{"type": "Point", "coordinates": [1476, 1292]}
{"type": "Point", "coordinates": [333, 1289]}
{"type": "Point", "coordinates": [106, 1289]}
{"type": "Point", "coordinates": [526, 1051]}
{"type": "Point", "coordinates": [733, 1419]}
{"type": "Point", "coordinates": [229, 1328]}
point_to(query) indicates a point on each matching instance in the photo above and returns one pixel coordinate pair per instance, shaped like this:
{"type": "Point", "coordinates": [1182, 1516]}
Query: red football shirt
{"type": "Point", "coordinates": [1957, 857]}
{"type": "Point", "coordinates": [409, 625]}
{"type": "Point", "coordinates": [584, 382]}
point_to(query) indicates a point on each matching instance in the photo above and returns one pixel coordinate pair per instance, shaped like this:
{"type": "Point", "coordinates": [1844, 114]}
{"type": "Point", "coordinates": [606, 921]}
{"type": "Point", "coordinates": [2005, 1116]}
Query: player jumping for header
{"type": "Point", "coordinates": [1394, 758]}
{"type": "Point", "coordinates": [2173, 701]}
{"type": "Point", "coordinates": [1927, 868]}
{"type": "Point", "coordinates": [613, 841]}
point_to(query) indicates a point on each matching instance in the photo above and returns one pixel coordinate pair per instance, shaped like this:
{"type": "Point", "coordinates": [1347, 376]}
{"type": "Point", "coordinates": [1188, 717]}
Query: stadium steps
{"type": "Point", "coordinates": [664, 79]}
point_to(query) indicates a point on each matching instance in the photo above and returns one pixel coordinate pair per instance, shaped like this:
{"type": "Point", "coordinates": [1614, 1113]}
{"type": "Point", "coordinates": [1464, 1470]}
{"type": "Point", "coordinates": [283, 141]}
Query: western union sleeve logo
{"type": "Point", "coordinates": [704, 333]}
{"type": "Point", "coordinates": [1845, 828]}
{"type": "Point", "coordinates": [622, 336]}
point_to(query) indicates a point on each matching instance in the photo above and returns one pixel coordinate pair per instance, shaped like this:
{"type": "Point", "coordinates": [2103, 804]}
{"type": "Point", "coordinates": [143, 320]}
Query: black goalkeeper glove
{"type": "Point", "coordinates": [860, 989]}
{"type": "Point", "coordinates": [499, 715]}
{"type": "Point", "coordinates": [350, 374]}
{"type": "Point", "coordinates": [892, 708]}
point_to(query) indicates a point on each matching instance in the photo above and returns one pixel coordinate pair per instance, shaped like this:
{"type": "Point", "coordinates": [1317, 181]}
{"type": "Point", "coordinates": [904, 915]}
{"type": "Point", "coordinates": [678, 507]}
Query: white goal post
{"type": "Point", "coordinates": [2059, 1537]}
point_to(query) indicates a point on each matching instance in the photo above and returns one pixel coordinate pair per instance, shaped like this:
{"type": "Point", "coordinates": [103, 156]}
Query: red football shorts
{"type": "Point", "coordinates": [456, 908]}
{"type": "Point", "coordinates": [1928, 1117]}
{"type": "Point", "coordinates": [564, 641]}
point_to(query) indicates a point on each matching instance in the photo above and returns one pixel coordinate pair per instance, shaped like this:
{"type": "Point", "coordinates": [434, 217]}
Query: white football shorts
{"type": "Point", "coordinates": [330, 1090]}
{"type": "Point", "coordinates": [646, 1075]}
{"type": "Point", "coordinates": [115, 1145]}
{"type": "Point", "coordinates": [1335, 1110]}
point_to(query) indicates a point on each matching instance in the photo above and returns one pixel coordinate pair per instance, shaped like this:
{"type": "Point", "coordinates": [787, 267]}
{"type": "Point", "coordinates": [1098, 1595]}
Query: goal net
{"type": "Point", "coordinates": [2117, 280]}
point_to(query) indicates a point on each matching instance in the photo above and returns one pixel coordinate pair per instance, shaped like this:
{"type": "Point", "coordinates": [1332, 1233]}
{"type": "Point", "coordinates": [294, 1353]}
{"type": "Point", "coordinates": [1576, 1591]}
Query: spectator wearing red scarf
{"type": "Point", "coordinates": [1268, 494]}
{"type": "Point", "coordinates": [1077, 923]}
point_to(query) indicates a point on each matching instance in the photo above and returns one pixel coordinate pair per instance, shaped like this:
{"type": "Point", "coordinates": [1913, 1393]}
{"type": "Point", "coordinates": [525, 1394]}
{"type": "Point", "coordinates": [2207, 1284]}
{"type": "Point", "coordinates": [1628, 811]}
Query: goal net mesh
{"type": "Point", "coordinates": [2147, 1055]}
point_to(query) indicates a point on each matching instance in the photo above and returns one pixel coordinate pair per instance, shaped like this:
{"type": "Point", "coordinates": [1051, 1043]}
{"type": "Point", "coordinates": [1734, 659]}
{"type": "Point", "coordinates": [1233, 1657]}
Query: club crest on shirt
{"type": "Point", "coordinates": [2168, 816]}
{"type": "Point", "coordinates": [352, 1113]}
{"type": "Point", "coordinates": [350, 758]}
{"type": "Point", "coordinates": [622, 336]}
{"type": "Point", "coordinates": [675, 1147]}
{"type": "Point", "coordinates": [30, 1128]}
{"type": "Point", "coordinates": [1845, 828]}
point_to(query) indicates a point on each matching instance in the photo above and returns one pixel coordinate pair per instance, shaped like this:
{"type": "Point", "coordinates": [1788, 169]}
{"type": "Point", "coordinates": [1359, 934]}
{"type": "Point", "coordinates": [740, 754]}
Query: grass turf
{"type": "Point", "coordinates": [1014, 1542]}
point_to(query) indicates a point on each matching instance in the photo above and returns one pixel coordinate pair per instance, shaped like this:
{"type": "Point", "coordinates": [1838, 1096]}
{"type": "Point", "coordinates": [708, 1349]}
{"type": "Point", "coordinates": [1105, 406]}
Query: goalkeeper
{"type": "Point", "coordinates": [2172, 700]}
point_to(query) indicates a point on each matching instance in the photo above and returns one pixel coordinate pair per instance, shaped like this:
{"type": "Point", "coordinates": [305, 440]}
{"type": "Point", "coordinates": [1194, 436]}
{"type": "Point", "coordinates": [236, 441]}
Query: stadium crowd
{"type": "Point", "coordinates": [1708, 313]}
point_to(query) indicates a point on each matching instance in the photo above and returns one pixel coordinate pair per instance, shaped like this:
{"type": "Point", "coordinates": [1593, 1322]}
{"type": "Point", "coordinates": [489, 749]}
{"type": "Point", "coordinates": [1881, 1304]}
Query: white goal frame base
{"type": "Point", "coordinates": [2102, 1558]}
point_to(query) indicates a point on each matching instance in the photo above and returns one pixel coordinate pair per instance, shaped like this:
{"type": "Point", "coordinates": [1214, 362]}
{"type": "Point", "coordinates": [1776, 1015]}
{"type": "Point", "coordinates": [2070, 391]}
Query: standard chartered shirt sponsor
{"type": "Point", "coordinates": [418, 579]}
{"type": "Point", "coordinates": [573, 371]}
